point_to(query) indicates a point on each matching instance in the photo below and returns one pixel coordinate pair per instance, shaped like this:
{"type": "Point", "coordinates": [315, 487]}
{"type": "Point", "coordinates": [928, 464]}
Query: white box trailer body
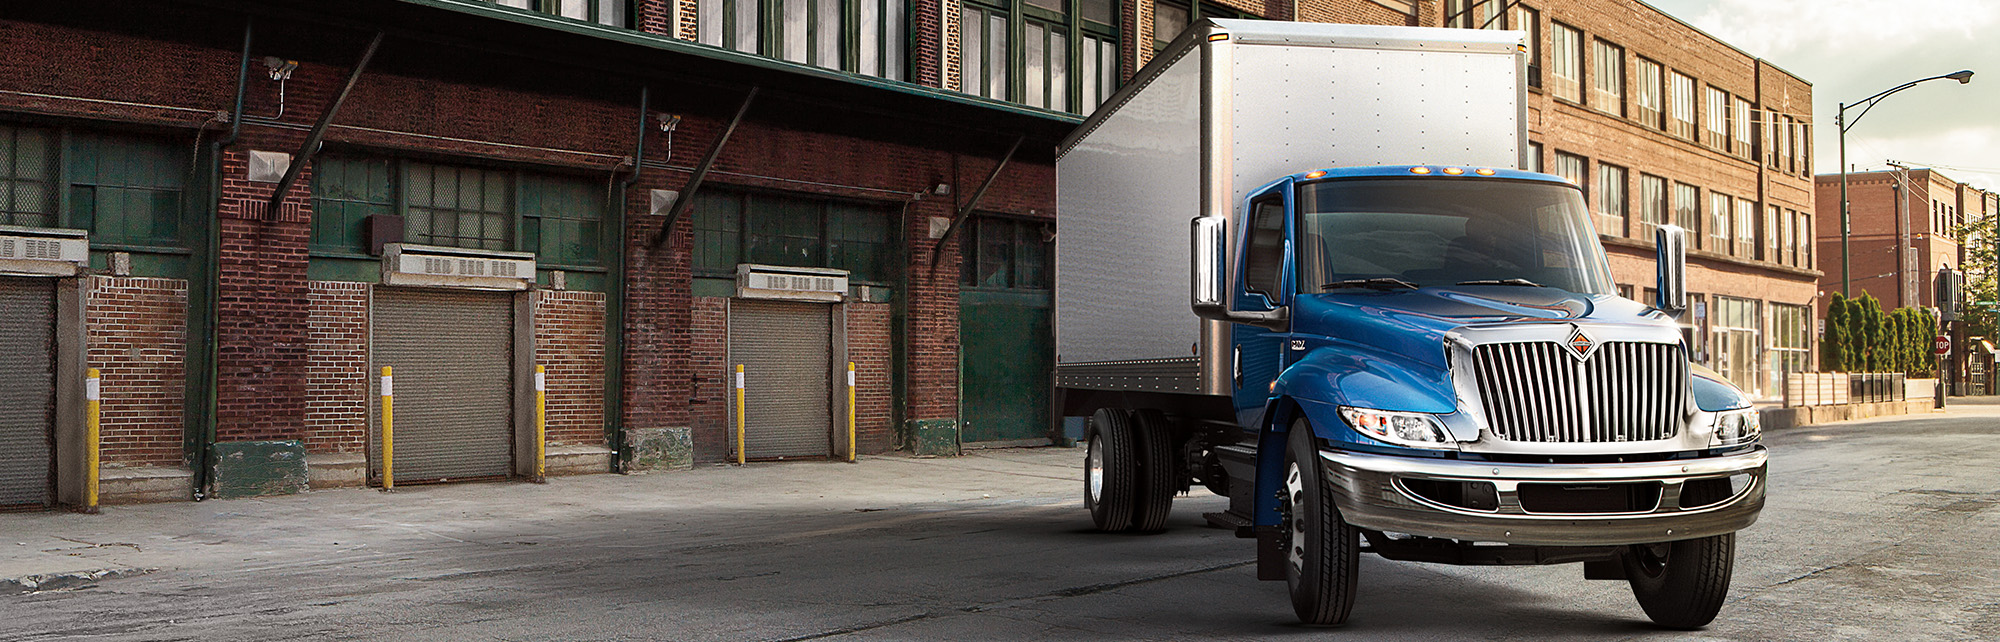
{"type": "Point", "coordinates": [1231, 106]}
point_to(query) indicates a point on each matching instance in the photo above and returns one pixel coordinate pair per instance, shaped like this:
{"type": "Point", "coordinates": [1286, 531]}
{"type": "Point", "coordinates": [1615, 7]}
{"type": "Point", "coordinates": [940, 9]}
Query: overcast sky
{"type": "Point", "coordinates": [1851, 49]}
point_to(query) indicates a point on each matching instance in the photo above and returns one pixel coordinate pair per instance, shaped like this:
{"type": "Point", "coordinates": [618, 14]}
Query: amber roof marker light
{"type": "Point", "coordinates": [1420, 170]}
{"type": "Point", "coordinates": [1483, 171]}
{"type": "Point", "coordinates": [1453, 171]}
{"type": "Point", "coordinates": [1316, 173]}
{"type": "Point", "coordinates": [1218, 37]}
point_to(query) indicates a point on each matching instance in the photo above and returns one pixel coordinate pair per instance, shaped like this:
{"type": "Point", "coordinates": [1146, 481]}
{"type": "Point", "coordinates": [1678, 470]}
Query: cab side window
{"type": "Point", "coordinates": [1264, 259]}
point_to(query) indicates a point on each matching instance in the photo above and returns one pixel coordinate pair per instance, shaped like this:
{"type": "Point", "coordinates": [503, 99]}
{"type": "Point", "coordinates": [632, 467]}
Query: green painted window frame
{"type": "Point", "coordinates": [128, 190]}
{"type": "Point", "coordinates": [1076, 81]}
{"type": "Point", "coordinates": [865, 37]}
{"type": "Point", "coordinates": [1196, 12]}
{"type": "Point", "coordinates": [1007, 253]}
{"type": "Point", "coordinates": [610, 13]}
{"type": "Point", "coordinates": [796, 230]}
{"type": "Point", "coordinates": [565, 232]}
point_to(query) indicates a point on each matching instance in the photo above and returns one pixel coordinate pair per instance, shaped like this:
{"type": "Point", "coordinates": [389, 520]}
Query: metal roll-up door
{"type": "Point", "coordinates": [786, 352]}
{"type": "Point", "coordinates": [27, 391]}
{"type": "Point", "coordinates": [452, 355]}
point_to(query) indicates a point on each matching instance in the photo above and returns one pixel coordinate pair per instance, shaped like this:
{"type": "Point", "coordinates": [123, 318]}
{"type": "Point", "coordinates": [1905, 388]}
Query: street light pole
{"type": "Point", "coordinates": [1841, 122]}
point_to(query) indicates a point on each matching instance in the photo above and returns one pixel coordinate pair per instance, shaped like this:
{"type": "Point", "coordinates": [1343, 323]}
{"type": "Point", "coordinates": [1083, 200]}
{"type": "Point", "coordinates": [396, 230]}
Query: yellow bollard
{"type": "Point", "coordinates": [850, 412]}
{"type": "Point", "coordinates": [94, 423]}
{"type": "Point", "coordinates": [388, 431]}
{"type": "Point", "coordinates": [541, 424]}
{"type": "Point", "coordinates": [739, 414]}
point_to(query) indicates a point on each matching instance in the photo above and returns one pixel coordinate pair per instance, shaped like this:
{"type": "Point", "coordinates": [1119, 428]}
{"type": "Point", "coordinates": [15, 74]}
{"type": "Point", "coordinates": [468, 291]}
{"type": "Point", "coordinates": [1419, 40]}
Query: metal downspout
{"type": "Point", "coordinates": [614, 322]}
{"type": "Point", "coordinates": [204, 441]}
{"type": "Point", "coordinates": [319, 130]}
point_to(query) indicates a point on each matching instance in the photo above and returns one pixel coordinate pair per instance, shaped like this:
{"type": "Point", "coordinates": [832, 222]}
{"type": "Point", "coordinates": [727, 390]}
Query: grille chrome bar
{"type": "Point", "coordinates": [1626, 391]}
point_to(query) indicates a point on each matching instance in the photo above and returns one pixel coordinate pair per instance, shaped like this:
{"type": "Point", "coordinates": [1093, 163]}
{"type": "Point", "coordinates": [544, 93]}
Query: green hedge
{"type": "Point", "coordinates": [1860, 337]}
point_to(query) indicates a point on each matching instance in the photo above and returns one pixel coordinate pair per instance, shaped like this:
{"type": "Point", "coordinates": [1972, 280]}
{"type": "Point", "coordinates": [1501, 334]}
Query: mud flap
{"type": "Point", "coordinates": [1271, 553]}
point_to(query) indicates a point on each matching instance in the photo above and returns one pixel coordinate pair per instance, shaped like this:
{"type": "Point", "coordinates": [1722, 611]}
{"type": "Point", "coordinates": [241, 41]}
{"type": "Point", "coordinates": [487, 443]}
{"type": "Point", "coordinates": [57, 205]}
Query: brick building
{"type": "Point", "coordinates": [1913, 214]}
{"type": "Point", "coordinates": [255, 207]}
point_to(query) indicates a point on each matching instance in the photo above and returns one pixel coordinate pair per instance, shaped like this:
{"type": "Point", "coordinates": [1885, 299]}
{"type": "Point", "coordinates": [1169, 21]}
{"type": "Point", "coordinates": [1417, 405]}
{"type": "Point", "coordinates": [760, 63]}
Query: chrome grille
{"type": "Point", "coordinates": [1625, 391]}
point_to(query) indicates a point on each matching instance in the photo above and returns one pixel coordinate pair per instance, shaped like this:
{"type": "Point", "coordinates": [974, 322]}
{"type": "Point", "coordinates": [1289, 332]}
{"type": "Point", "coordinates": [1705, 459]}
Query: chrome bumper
{"type": "Point", "coordinates": [1368, 490]}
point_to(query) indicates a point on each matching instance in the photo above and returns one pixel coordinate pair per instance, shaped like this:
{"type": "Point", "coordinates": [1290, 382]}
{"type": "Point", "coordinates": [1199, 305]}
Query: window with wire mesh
{"type": "Point", "coordinates": [458, 207]}
{"type": "Point", "coordinates": [562, 220]}
{"type": "Point", "coordinates": [27, 176]}
{"type": "Point", "coordinates": [1006, 253]}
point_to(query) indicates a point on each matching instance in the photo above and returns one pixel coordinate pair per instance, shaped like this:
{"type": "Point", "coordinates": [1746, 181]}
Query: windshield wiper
{"type": "Point", "coordinates": [1520, 282]}
{"type": "Point", "coordinates": [1373, 284]}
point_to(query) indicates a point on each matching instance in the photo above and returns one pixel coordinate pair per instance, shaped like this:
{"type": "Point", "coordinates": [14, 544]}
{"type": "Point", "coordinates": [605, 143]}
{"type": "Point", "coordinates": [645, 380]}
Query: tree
{"type": "Point", "coordinates": [1834, 345]}
{"type": "Point", "coordinates": [1981, 242]}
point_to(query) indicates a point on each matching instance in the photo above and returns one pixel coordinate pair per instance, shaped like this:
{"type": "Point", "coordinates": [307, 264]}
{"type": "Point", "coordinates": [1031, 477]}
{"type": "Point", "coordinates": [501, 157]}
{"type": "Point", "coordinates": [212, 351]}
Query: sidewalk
{"type": "Point", "coordinates": [62, 550]}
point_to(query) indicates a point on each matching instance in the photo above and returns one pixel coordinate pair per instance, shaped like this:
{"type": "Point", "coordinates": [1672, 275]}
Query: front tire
{"type": "Point", "coordinates": [1681, 585]}
{"type": "Point", "coordinates": [1323, 552]}
{"type": "Point", "coordinates": [1110, 471]}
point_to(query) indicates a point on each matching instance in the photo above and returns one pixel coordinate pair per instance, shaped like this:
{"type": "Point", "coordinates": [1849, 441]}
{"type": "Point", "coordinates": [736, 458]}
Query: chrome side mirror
{"type": "Point", "coordinates": [1670, 290]}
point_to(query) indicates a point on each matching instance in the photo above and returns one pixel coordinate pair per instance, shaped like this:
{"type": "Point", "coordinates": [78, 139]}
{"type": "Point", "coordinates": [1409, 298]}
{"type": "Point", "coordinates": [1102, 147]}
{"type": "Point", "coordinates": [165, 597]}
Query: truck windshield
{"type": "Point", "coordinates": [1427, 232]}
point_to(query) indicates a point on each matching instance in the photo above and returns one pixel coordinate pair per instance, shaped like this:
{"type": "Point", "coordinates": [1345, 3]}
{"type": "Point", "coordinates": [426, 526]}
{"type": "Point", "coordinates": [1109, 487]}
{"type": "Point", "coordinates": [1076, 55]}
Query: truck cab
{"type": "Point", "coordinates": [1423, 361]}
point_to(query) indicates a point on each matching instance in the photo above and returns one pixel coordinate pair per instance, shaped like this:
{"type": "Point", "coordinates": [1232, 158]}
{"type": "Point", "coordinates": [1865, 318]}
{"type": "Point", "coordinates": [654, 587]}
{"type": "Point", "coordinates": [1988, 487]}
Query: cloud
{"type": "Point", "coordinates": [1851, 49]}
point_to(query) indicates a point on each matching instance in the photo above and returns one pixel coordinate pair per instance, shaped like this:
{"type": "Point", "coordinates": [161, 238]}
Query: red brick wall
{"type": "Point", "coordinates": [137, 338]}
{"type": "Point", "coordinates": [868, 346]}
{"type": "Point", "coordinates": [337, 377]}
{"type": "Point", "coordinates": [569, 345]}
{"type": "Point", "coordinates": [709, 374]}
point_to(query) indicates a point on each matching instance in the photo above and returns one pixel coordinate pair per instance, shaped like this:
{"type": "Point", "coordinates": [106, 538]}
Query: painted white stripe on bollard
{"type": "Point", "coordinates": [91, 388]}
{"type": "Point", "coordinates": [541, 382]}
{"type": "Point", "coordinates": [388, 385]}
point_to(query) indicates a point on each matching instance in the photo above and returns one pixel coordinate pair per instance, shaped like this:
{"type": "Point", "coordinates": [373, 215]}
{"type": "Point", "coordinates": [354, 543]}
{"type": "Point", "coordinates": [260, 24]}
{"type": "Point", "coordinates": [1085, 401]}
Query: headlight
{"type": "Point", "coordinates": [1733, 427]}
{"type": "Point", "coordinates": [1418, 429]}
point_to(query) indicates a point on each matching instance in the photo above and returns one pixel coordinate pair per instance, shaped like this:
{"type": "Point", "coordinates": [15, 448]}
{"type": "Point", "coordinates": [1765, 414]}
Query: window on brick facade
{"type": "Point", "coordinates": [861, 36]}
{"type": "Point", "coordinates": [1534, 157]}
{"type": "Point", "coordinates": [1039, 53]}
{"type": "Point", "coordinates": [556, 217]}
{"type": "Point", "coordinates": [1006, 253]}
{"type": "Point", "coordinates": [1745, 130]}
{"type": "Point", "coordinates": [1566, 63]}
{"type": "Point", "coordinates": [733, 227]}
{"type": "Point", "coordinates": [126, 190]}
{"type": "Point", "coordinates": [1607, 77]}
{"type": "Point", "coordinates": [1746, 228]}
{"type": "Point", "coordinates": [1787, 236]}
{"type": "Point", "coordinates": [1680, 95]}
{"type": "Point", "coordinates": [1687, 208]}
{"type": "Point", "coordinates": [28, 176]}
{"type": "Point", "coordinates": [605, 12]}
{"type": "Point", "coordinates": [1474, 14]}
{"type": "Point", "coordinates": [1806, 240]}
{"type": "Point", "coordinates": [1718, 223]}
{"type": "Point", "coordinates": [1611, 199]}
{"type": "Point", "coordinates": [1652, 204]}
{"type": "Point", "coordinates": [1529, 20]}
{"type": "Point", "coordinates": [1716, 118]}
{"type": "Point", "coordinates": [1648, 86]}
{"type": "Point", "coordinates": [1169, 20]}
{"type": "Point", "coordinates": [1771, 248]}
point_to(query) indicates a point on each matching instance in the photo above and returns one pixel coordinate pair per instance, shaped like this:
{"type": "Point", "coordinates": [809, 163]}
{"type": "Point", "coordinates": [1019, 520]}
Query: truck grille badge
{"type": "Point", "coordinates": [1580, 344]}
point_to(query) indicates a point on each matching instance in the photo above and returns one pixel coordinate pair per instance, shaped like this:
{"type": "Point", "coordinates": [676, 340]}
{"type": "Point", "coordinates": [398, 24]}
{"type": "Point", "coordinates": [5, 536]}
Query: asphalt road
{"type": "Point", "coordinates": [1879, 530]}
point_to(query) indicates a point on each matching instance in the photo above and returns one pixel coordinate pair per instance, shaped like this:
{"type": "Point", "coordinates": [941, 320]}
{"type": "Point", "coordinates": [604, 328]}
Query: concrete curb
{"type": "Point", "coordinates": [65, 581]}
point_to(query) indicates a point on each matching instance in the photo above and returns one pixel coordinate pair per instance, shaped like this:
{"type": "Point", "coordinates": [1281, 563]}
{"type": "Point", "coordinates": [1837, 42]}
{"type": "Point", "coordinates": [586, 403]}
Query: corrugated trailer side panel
{"type": "Point", "coordinates": [1126, 191]}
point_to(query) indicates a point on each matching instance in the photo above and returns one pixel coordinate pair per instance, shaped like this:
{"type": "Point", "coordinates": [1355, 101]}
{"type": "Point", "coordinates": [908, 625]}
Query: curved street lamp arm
{"type": "Point", "coordinates": [1869, 102]}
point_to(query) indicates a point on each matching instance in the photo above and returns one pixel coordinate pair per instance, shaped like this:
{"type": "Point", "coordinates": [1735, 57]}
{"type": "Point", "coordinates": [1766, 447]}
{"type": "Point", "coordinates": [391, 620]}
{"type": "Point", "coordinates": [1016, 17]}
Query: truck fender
{"type": "Point", "coordinates": [1333, 376]}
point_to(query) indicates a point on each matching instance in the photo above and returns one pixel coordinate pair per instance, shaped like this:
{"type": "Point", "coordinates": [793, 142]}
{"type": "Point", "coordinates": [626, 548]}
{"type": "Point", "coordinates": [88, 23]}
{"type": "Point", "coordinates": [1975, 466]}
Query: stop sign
{"type": "Point", "coordinates": [1941, 345]}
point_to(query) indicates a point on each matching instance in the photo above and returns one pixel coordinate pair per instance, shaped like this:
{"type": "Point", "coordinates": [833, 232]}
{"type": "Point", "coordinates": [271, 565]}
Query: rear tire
{"type": "Point", "coordinates": [1158, 477]}
{"type": "Point", "coordinates": [1110, 474]}
{"type": "Point", "coordinates": [1681, 585]}
{"type": "Point", "coordinates": [1323, 552]}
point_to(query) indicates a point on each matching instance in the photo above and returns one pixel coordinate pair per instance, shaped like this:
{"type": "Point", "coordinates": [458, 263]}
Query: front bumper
{"type": "Point", "coordinates": [1371, 492]}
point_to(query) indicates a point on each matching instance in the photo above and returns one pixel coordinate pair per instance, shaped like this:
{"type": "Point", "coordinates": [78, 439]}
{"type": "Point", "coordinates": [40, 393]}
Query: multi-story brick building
{"type": "Point", "coordinates": [1912, 213]}
{"type": "Point", "coordinates": [1905, 226]}
{"type": "Point", "coordinates": [280, 198]}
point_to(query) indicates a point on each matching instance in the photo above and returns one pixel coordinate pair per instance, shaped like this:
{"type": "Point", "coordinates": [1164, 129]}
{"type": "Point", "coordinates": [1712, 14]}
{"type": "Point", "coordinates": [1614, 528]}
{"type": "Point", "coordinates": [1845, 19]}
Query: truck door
{"type": "Point", "coordinates": [1263, 284]}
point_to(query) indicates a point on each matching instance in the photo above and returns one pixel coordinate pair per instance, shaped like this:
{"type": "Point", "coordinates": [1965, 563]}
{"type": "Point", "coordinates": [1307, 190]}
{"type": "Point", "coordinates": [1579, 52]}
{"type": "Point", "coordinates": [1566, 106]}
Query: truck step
{"type": "Point", "coordinates": [1239, 523]}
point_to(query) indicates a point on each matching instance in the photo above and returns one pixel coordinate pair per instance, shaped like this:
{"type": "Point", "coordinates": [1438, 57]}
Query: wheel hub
{"type": "Point", "coordinates": [1094, 470]}
{"type": "Point", "coordinates": [1295, 527]}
